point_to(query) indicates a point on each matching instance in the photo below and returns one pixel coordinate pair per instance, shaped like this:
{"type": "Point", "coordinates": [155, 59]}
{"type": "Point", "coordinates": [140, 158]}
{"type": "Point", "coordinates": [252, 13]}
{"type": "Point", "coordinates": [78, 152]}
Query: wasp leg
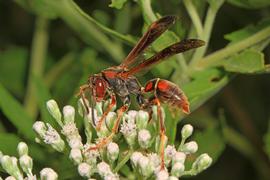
{"type": "Point", "coordinates": [161, 131]}
{"type": "Point", "coordinates": [82, 95]}
{"type": "Point", "coordinates": [120, 114]}
{"type": "Point", "coordinates": [109, 108]}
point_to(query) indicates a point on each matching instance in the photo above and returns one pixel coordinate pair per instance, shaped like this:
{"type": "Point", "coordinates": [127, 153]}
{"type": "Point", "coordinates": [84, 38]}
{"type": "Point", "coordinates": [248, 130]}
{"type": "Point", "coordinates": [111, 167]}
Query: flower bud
{"type": "Point", "coordinates": [128, 129]}
{"type": "Point", "coordinates": [154, 159]}
{"type": "Point", "coordinates": [201, 163]}
{"type": "Point", "coordinates": [53, 138]}
{"type": "Point", "coordinates": [179, 157]}
{"type": "Point", "coordinates": [40, 128]}
{"type": "Point", "coordinates": [89, 117]}
{"type": "Point", "coordinates": [26, 164]}
{"type": "Point", "coordinates": [186, 131]}
{"type": "Point", "coordinates": [90, 156]}
{"type": "Point", "coordinates": [10, 165]}
{"type": "Point", "coordinates": [110, 120]}
{"type": "Point", "coordinates": [81, 107]}
{"type": "Point", "coordinates": [99, 108]}
{"type": "Point", "coordinates": [54, 111]}
{"type": "Point", "coordinates": [84, 170]}
{"type": "Point", "coordinates": [112, 151]}
{"type": "Point", "coordinates": [48, 174]}
{"type": "Point", "coordinates": [177, 169]}
{"type": "Point", "coordinates": [135, 158]}
{"type": "Point", "coordinates": [69, 114]}
{"type": "Point", "coordinates": [146, 168]}
{"type": "Point", "coordinates": [75, 143]}
{"type": "Point", "coordinates": [169, 153]}
{"type": "Point", "coordinates": [22, 149]}
{"type": "Point", "coordinates": [142, 119]}
{"type": "Point", "coordinates": [10, 178]}
{"type": "Point", "coordinates": [76, 155]}
{"type": "Point", "coordinates": [162, 175]}
{"type": "Point", "coordinates": [155, 116]}
{"type": "Point", "coordinates": [103, 169]}
{"type": "Point", "coordinates": [144, 138]}
{"type": "Point", "coordinates": [173, 178]}
{"type": "Point", "coordinates": [190, 147]}
{"type": "Point", "coordinates": [112, 177]}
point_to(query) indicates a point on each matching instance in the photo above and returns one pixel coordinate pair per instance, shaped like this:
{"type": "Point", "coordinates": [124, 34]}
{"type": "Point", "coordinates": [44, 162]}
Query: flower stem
{"type": "Point", "coordinates": [194, 16]}
{"type": "Point", "coordinates": [38, 56]}
{"type": "Point", "coordinates": [208, 26]}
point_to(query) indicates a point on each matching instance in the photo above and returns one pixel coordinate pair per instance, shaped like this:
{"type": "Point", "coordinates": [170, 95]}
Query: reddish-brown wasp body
{"type": "Point", "coordinates": [119, 81]}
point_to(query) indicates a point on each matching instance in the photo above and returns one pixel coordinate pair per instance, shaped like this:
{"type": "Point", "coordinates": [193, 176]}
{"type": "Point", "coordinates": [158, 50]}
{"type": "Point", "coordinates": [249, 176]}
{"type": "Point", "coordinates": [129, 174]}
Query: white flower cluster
{"type": "Point", "coordinates": [149, 163]}
{"type": "Point", "coordinates": [138, 138]}
{"type": "Point", "coordinates": [21, 168]}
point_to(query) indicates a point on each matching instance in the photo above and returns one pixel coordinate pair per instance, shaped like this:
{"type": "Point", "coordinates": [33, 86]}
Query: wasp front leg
{"type": "Point", "coordinates": [120, 114]}
{"type": "Point", "coordinates": [106, 112]}
{"type": "Point", "coordinates": [82, 95]}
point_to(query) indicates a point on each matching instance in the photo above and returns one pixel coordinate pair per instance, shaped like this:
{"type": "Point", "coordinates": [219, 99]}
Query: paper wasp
{"type": "Point", "coordinates": [120, 81]}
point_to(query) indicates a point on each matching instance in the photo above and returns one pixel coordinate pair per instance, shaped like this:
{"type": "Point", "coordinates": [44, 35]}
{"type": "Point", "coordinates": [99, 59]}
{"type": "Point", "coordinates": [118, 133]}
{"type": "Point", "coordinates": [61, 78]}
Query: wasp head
{"type": "Point", "coordinates": [98, 85]}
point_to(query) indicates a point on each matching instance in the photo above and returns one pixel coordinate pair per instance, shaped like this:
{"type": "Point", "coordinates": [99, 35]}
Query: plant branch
{"type": "Point", "coordinates": [194, 16]}
{"type": "Point", "coordinates": [208, 26]}
{"type": "Point", "coordinates": [37, 60]}
{"type": "Point", "coordinates": [217, 57]}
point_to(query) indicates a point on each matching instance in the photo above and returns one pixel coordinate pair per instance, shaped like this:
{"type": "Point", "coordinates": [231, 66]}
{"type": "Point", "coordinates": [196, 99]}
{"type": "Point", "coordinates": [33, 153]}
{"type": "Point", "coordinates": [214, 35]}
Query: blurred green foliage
{"type": "Point", "coordinates": [48, 49]}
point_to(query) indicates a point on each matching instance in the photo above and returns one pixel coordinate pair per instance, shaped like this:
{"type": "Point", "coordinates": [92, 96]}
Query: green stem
{"type": "Point", "coordinates": [147, 10]}
{"type": "Point", "coordinates": [208, 26]}
{"type": "Point", "coordinates": [217, 57]}
{"type": "Point", "coordinates": [194, 16]}
{"type": "Point", "coordinates": [38, 56]}
{"type": "Point", "coordinates": [125, 38]}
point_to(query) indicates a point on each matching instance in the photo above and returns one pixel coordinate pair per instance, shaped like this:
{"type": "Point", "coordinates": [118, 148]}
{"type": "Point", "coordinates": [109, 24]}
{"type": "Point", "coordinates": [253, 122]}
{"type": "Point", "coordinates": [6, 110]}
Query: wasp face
{"type": "Point", "coordinates": [98, 85]}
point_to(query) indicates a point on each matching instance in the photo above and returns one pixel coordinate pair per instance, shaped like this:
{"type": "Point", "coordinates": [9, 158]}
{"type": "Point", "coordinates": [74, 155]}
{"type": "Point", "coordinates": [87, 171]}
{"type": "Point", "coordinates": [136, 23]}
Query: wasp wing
{"type": "Point", "coordinates": [164, 54]}
{"type": "Point", "coordinates": [154, 31]}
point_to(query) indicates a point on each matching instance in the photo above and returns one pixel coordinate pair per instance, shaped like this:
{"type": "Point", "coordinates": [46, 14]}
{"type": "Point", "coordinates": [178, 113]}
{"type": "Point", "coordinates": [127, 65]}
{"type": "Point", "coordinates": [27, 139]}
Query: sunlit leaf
{"type": "Point", "coordinates": [249, 61]}
{"type": "Point", "coordinates": [118, 4]}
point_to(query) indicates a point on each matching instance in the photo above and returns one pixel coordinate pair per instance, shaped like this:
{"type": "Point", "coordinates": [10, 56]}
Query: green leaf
{"type": "Point", "coordinates": [16, 114]}
{"type": "Point", "coordinates": [250, 4]}
{"type": "Point", "coordinates": [246, 31]}
{"type": "Point", "coordinates": [204, 85]}
{"type": "Point", "coordinates": [249, 61]}
{"type": "Point", "coordinates": [13, 62]}
{"type": "Point", "coordinates": [9, 143]}
{"type": "Point", "coordinates": [118, 4]}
